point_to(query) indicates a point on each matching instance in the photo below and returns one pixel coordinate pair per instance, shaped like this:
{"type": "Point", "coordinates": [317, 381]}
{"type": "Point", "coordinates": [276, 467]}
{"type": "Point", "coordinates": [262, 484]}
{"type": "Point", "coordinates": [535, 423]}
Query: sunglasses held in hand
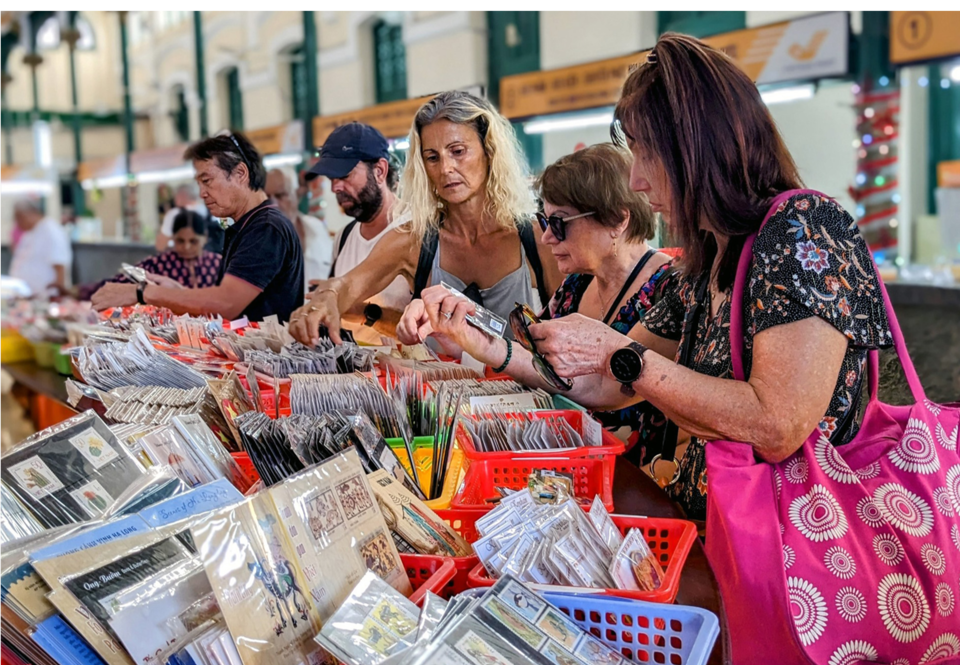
{"type": "Point", "coordinates": [521, 318]}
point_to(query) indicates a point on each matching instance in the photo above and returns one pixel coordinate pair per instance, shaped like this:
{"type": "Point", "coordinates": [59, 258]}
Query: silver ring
{"type": "Point", "coordinates": [447, 314]}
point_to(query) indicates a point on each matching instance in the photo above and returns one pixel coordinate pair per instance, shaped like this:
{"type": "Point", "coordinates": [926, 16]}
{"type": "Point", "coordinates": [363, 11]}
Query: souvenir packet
{"type": "Point", "coordinates": [71, 472]}
{"type": "Point", "coordinates": [634, 566]}
{"type": "Point", "coordinates": [419, 526]}
{"type": "Point", "coordinates": [67, 566]}
{"type": "Point", "coordinates": [601, 521]}
{"type": "Point", "coordinates": [374, 622]}
{"type": "Point", "coordinates": [337, 533]}
{"type": "Point", "coordinates": [482, 318]}
{"type": "Point", "coordinates": [548, 486]}
{"type": "Point", "coordinates": [145, 616]}
{"type": "Point", "coordinates": [260, 589]}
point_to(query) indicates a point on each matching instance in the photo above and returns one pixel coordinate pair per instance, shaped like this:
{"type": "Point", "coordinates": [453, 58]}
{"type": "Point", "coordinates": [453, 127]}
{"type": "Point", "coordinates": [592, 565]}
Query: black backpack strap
{"type": "Point", "coordinates": [529, 242]}
{"type": "Point", "coordinates": [347, 230]}
{"type": "Point", "coordinates": [428, 250]}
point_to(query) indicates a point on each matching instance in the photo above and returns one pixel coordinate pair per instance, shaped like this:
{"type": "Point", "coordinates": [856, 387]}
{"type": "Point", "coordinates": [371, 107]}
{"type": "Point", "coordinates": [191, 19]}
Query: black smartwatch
{"type": "Point", "coordinates": [626, 365]}
{"type": "Point", "coordinates": [140, 288]}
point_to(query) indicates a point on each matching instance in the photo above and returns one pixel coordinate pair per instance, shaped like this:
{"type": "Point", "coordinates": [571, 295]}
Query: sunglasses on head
{"type": "Point", "coordinates": [521, 318]}
{"type": "Point", "coordinates": [557, 224]}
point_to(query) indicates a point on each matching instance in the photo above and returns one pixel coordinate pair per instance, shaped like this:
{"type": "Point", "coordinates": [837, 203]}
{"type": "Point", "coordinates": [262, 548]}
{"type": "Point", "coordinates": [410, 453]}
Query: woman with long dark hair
{"type": "Point", "coordinates": [710, 160]}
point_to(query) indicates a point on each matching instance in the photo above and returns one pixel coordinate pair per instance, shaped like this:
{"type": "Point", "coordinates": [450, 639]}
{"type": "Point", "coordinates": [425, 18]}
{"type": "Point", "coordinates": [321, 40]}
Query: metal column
{"type": "Point", "coordinates": [313, 90]}
{"type": "Point", "coordinates": [201, 74]}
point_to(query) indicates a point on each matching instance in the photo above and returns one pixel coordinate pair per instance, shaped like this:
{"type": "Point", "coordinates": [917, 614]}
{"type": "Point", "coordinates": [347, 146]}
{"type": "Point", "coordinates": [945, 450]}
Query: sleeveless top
{"type": "Point", "coordinates": [502, 297]}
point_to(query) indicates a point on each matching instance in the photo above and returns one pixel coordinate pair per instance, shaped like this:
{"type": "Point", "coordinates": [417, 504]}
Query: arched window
{"type": "Point", "coordinates": [234, 99]}
{"type": "Point", "coordinates": [48, 36]}
{"type": "Point", "coordinates": [180, 114]}
{"type": "Point", "coordinates": [390, 58]}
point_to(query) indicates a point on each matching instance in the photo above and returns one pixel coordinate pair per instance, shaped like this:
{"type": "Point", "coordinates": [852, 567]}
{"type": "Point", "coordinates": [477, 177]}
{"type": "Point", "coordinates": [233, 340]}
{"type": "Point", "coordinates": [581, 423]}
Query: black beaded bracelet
{"type": "Point", "coordinates": [497, 370]}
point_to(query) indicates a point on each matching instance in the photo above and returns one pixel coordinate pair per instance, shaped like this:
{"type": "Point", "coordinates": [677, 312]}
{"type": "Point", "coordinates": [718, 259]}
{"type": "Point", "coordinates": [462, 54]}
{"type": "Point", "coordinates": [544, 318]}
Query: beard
{"type": "Point", "coordinates": [366, 204]}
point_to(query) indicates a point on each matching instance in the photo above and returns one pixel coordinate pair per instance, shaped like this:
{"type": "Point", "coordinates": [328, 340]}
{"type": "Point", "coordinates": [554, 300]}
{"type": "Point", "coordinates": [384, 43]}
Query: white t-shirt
{"type": "Point", "coordinates": [317, 250]}
{"type": "Point", "coordinates": [166, 226]}
{"type": "Point", "coordinates": [356, 249]}
{"type": "Point", "coordinates": [42, 247]}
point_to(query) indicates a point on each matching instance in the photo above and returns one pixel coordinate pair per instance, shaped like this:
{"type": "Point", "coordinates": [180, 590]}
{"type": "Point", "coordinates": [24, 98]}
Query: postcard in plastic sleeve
{"type": "Point", "coordinates": [260, 590]}
{"type": "Point", "coordinates": [337, 532]}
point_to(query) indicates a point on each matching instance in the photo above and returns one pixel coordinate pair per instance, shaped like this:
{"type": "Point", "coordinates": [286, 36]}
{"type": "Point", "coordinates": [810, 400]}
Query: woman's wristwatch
{"type": "Point", "coordinates": [626, 366]}
{"type": "Point", "coordinates": [140, 289]}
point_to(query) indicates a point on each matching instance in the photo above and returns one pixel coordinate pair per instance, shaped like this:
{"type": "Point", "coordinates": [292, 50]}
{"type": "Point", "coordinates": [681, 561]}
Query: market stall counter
{"type": "Point", "coordinates": [634, 492]}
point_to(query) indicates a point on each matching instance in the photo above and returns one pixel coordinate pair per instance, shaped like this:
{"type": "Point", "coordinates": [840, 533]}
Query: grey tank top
{"type": "Point", "coordinates": [502, 297]}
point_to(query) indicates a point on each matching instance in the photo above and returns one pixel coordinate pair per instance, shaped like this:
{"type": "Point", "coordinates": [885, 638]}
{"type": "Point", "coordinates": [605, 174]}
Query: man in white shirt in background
{"type": "Point", "coordinates": [43, 255]}
{"type": "Point", "coordinates": [186, 197]}
{"type": "Point", "coordinates": [356, 159]}
{"type": "Point", "coordinates": [314, 237]}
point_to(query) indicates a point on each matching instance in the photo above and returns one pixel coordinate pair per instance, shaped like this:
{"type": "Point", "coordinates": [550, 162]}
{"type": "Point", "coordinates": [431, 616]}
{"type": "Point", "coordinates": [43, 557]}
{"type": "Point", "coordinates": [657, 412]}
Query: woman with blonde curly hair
{"type": "Point", "coordinates": [465, 189]}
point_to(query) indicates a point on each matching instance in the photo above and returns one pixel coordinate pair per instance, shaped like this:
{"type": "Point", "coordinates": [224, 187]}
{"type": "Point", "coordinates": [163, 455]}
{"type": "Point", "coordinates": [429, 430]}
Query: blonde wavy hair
{"type": "Point", "coordinates": [510, 199]}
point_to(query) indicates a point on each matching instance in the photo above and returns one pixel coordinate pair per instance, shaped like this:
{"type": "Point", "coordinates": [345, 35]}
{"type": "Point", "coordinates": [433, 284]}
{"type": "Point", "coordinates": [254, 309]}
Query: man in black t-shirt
{"type": "Point", "coordinates": [262, 268]}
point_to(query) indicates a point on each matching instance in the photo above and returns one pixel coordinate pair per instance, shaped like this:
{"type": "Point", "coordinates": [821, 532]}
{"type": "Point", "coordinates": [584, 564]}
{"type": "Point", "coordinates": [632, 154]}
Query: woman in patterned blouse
{"type": "Point", "coordinates": [187, 265]}
{"type": "Point", "coordinates": [708, 155]}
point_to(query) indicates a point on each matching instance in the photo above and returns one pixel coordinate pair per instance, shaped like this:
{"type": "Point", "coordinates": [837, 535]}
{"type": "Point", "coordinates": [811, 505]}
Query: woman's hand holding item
{"type": "Point", "coordinates": [577, 345]}
{"type": "Point", "coordinates": [163, 280]}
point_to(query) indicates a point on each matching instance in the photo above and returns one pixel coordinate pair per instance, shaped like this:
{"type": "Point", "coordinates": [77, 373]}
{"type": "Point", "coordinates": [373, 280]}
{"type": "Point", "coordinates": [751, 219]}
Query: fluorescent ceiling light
{"type": "Point", "coordinates": [276, 161]}
{"type": "Point", "coordinates": [787, 94]}
{"type": "Point", "coordinates": [401, 144]}
{"type": "Point", "coordinates": [26, 187]}
{"type": "Point", "coordinates": [547, 125]}
{"type": "Point", "coordinates": [955, 73]}
{"type": "Point", "coordinates": [182, 173]}
{"type": "Point", "coordinates": [109, 182]}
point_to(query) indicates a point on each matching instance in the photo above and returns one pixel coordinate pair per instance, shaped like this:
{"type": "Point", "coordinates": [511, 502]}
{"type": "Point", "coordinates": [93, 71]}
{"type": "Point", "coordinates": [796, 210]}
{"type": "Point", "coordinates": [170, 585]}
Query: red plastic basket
{"type": "Point", "coordinates": [669, 539]}
{"type": "Point", "coordinates": [246, 465]}
{"type": "Point", "coordinates": [428, 573]}
{"type": "Point", "coordinates": [591, 476]}
{"type": "Point", "coordinates": [610, 445]}
{"type": "Point", "coordinates": [464, 523]}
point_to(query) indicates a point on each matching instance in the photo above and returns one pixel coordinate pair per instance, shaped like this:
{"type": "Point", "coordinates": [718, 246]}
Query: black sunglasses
{"type": "Point", "coordinates": [521, 318]}
{"type": "Point", "coordinates": [557, 224]}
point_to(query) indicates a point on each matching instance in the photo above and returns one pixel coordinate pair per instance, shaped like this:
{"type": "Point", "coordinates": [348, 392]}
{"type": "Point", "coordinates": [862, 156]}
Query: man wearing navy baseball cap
{"type": "Point", "coordinates": [356, 158]}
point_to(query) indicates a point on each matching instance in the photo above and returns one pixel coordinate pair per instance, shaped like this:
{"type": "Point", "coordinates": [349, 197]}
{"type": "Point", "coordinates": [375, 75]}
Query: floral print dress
{"type": "Point", "coordinates": [808, 260]}
{"type": "Point", "coordinates": [645, 421]}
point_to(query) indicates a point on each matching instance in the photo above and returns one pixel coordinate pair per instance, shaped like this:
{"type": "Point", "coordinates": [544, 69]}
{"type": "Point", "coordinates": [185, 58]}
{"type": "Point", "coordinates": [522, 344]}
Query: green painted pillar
{"type": "Point", "coordinates": [131, 228]}
{"type": "Point", "coordinates": [71, 35]}
{"type": "Point", "coordinates": [127, 107]}
{"type": "Point", "coordinates": [201, 73]}
{"type": "Point", "coordinates": [7, 143]}
{"type": "Point", "coordinates": [312, 107]}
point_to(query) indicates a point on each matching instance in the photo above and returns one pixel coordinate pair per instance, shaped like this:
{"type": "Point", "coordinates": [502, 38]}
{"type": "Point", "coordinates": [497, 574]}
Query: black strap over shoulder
{"type": "Point", "coordinates": [347, 230]}
{"type": "Point", "coordinates": [529, 242]}
{"type": "Point", "coordinates": [428, 251]}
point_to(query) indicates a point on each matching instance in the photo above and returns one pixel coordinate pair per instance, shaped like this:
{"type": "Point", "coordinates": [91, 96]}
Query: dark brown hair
{"type": "Point", "coordinates": [692, 109]}
{"type": "Point", "coordinates": [597, 179]}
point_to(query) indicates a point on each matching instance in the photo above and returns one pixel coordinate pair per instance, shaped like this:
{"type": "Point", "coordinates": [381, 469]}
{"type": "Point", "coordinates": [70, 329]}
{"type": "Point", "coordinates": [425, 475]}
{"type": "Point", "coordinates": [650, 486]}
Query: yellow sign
{"type": "Point", "coordinates": [278, 139]}
{"type": "Point", "coordinates": [917, 36]}
{"type": "Point", "coordinates": [806, 49]}
{"type": "Point", "coordinates": [393, 119]}
{"type": "Point", "coordinates": [948, 174]}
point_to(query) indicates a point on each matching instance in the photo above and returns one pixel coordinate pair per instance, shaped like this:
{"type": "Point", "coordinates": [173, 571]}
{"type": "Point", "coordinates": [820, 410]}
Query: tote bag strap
{"type": "Point", "coordinates": [873, 362]}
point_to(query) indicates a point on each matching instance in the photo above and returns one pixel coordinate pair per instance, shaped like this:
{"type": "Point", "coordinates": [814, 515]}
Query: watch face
{"type": "Point", "coordinates": [625, 365]}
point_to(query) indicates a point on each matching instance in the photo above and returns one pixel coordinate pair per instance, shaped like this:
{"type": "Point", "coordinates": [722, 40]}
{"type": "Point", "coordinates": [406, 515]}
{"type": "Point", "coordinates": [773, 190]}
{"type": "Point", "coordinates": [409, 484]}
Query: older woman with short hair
{"type": "Point", "coordinates": [597, 230]}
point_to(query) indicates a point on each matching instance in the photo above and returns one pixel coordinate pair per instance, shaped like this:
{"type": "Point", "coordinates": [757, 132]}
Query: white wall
{"type": "Point", "coordinates": [819, 133]}
{"type": "Point", "coordinates": [573, 38]}
{"type": "Point", "coordinates": [445, 51]}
